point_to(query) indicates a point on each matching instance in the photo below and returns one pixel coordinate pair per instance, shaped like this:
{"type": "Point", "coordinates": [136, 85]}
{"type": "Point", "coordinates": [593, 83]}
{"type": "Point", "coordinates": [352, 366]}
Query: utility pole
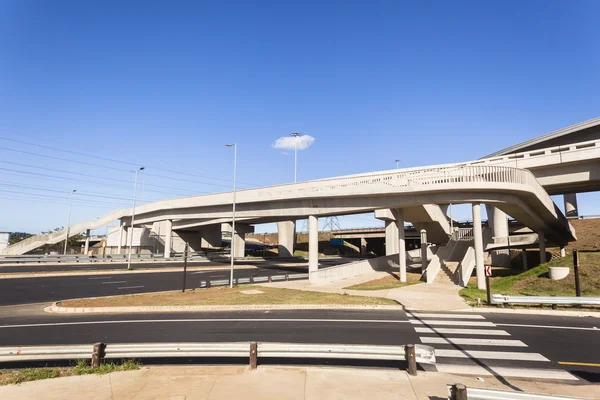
{"type": "Point", "coordinates": [68, 220]}
{"type": "Point", "coordinates": [232, 252]}
{"type": "Point", "coordinates": [132, 218]}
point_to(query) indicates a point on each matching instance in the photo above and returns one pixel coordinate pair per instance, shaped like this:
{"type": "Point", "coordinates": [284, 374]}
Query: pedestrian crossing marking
{"type": "Point", "coordinates": [531, 373]}
{"type": "Point", "coordinates": [458, 331]}
{"type": "Point", "coordinates": [448, 316]}
{"type": "Point", "coordinates": [448, 323]}
{"type": "Point", "coordinates": [472, 341]}
{"type": "Point", "coordinates": [490, 355]}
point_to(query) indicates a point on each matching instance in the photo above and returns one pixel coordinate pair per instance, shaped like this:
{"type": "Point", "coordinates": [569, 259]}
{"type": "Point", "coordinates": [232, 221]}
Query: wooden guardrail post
{"type": "Point", "coordinates": [98, 353]}
{"type": "Point", "coordinates": [411, 359]}
{"type": "Point", "coordinates": [253, 355]}
{"type": "Point", "coordinates": [458, 392]}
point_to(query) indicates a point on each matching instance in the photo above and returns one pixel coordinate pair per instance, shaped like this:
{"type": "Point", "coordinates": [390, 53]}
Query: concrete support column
{"type": "Point", "coordinates": [424, 246]}
{"type": "Point", "coordinates": [401, 244]}
{"type": "Point", "coordinates": [542, 244]}
{"type": "Point", "coordinates": [498, 223]}
{"type": "Point", "coordinates": [391, 237]}
{"type": "Point", "coordinates": [121, 231]}
{"type": "Point", "coordinates": [241, 229]}
{"type": "Point", "coordinates": [313, 246]}
{"type": "Point", "coordinates": [525, 260]}
{"type": "Point", "coordinates": [571, 205]}
{"type": "Point", "coordinates": [87, 242]}
{"type": "Point", "coordinates": [478, 239]}
{"type": "Point", "coordinates": [285, 238]}
{"type": "Point", "coordinates": [168, 237]}
{"type": "Point", "coordinates": [211, 237]}
{"type": "Point", "coordinates": [363, 246]}
{"type": "Point", "coordinates": [563, 252]}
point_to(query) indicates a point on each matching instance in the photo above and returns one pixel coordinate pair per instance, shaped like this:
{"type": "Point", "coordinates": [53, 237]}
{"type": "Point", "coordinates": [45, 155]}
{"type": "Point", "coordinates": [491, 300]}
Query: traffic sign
{"type": "Point", "coordinates": [488, 270]}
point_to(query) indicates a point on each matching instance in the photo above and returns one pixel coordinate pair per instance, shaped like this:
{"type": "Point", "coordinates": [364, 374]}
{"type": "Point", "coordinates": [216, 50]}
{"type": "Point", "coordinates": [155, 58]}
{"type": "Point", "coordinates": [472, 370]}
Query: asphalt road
{"type": "Point", "coordinates": [54, 288]}
{"type": "Point", "coordinates": [510, 345]}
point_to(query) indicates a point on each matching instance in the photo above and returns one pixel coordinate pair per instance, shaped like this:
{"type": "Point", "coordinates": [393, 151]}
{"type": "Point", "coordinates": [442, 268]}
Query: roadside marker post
{"type": "Point", "coordinates": [576, 270]}
{"type": "Point", "coordinates": [185, 256]}
{"type": "Point", "coordinates": [488, 273]}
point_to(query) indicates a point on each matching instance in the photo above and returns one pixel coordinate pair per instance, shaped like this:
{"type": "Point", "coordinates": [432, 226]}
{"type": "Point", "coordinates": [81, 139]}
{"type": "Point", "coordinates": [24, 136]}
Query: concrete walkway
{"type": "Point", "coordinates": [422, 296]}
{"type": "Point", "coordinates": [231, 382]}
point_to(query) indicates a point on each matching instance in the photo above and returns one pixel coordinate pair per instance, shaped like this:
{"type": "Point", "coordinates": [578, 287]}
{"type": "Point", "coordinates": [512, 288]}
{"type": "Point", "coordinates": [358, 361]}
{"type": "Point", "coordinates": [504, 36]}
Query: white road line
{"type": "Point", "coordinates": [490, 355]}
{"type": "Point", "coordinates": [453, 316]}
{"type": "Point", "coordinates": [146, 321]}
{"type": "Point", "coordinates": [552, 327]}
{"type": "Point", "coordinates": [112, 283]}
{"type": "Point", "coordinates": [101, 277]}
{"type": "Point", "coordinates": [453, 331]}
{"type": "Point", "coordinates": [461, 323]}
{"type": "Point", "coordinates": [506, 372]}
{"type": "Point", "coordinates": [129, 287]}
{"type": "Point", "coordinates": [473, 342]}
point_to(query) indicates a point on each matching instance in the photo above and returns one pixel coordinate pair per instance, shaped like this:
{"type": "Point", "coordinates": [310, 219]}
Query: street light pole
{"type": "Point", "coordinates": [68, 221]}
{"type": "Point", "coordinates": [232, 252]}
{"type": "Point", "coordinates": [132, 218]}
{"type": "Point", "coordinates": [296, 135]}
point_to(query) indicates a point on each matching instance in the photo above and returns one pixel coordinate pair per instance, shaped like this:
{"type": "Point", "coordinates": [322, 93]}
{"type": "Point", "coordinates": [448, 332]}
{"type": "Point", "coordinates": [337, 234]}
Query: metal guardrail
{"type": "Point", "coordinates": [553, 300]}
{"type": "Point", "coordinates": [462, 392]}
{"type": "Point", "coordinates": [413, 354]}
{"type": "Point", "coordinates": [28, 259]}
{"type": "Point", "coordinates": [250, 280]}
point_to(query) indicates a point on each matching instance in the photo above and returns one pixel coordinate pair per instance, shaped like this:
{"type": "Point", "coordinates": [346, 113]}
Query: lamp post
{"type": "Point", "coordinates": [295, 135]}
{"type": "Point", "coordinates": [397, 161]}
{"type": "Point", "coordinates": [69, 220]}
{"type": "Point", "coordinates": [232, 252]}
{"type": "Point", "coordinates": [132, 218]}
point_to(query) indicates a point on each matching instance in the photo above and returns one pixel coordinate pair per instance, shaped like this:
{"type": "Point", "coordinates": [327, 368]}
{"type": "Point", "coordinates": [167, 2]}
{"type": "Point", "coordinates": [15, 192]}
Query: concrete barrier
{"type": "Point", "coordinates": [353, 269]}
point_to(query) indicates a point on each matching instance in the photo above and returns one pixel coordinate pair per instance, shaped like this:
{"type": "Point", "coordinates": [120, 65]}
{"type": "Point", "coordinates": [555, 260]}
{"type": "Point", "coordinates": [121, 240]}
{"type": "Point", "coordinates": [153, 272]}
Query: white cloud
{"type": "Point", "coordinates": [285, 153]}
{"type": "Point", "coordinates": [287, 142]}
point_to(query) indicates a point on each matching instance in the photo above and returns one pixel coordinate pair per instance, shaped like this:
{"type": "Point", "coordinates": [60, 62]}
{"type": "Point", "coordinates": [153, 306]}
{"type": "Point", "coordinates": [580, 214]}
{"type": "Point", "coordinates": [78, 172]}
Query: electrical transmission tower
{"type": "Point", "coordinates": [332, 224]}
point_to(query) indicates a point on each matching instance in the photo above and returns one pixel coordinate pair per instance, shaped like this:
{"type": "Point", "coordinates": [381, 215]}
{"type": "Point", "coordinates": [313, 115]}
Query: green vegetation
{"type": "Point", "coordinates": [387, 282]}
{"type": "Point", "coordinates": [535, 282]}
{"type": "Point", "coordinates": [83, 367]}
{"type": "Point", "coordinates": [15, 377]}
{"type": "Point", "coordinates": [226, 296]}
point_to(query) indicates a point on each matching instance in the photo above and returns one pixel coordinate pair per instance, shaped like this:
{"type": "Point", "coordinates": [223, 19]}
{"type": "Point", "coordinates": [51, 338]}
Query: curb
{"type": "Point", "coordinates": [57, 308]}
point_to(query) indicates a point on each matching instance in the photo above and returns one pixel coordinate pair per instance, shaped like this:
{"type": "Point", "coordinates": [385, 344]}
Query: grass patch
{"type": "Point", "coordinates": [535, 282]}
{"type": "Point", "coordinates": [387, 282]}
{"type": "Point", "coordinates": [84, 368]}
{"type": "Point", "coordinates": [227, 296]}
{"type": "Point", "coordinates": [15, 377]}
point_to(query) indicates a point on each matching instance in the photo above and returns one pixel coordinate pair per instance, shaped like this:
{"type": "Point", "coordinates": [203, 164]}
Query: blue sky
{"type": "Point", "coordinates": [167, 84]}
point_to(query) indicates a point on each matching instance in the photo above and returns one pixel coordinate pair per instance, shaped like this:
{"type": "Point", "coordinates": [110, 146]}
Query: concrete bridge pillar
{"type": "Point", "coordinates": [363, 246]}
{"type": "Point", "coordinates": [87, 242]}
{"type": "Point", "coordinates": [478, 239]}
{"type": "Point", "coordinates": [285, 238]}
{"type": "Point", "coordinates": [391, 237]}
{"type": "Point", "coordinates": [121, 231]}
{"type": "Point", "coordinates": [168, 237]}
{"type": "Point", "coordinates": [401, 244]}
{"type": "Point", "coordinates": [211, 236]}
{"type": "Point", "coordinates": [571, 205]}
{"type": "Point", "coordinates": [424, 246]}
{"type": "Point", "coordinates": [239, 249]}
{"type": "Point", "coordinates": [542, 244]}
{"type": "Point", "coordinates": [498, 223]}
{"type": "Point", "coordinates": [313, 246]}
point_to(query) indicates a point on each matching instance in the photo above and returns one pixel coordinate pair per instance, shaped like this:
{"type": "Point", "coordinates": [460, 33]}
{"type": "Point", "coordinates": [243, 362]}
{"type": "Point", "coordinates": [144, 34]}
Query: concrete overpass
{"type": "Point", "coordinates": [516, 182]}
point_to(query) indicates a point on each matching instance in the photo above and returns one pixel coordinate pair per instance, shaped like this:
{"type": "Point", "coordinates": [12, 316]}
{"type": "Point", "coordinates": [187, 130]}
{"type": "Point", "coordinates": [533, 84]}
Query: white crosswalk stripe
{"type": "Point", "coordinates": [468, 344]}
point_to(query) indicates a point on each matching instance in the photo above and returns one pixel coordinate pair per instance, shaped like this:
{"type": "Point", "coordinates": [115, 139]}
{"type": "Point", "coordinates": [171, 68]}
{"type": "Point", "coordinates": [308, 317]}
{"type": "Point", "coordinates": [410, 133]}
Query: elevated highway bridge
{"type": "Point", "coordinates": [516, 182]}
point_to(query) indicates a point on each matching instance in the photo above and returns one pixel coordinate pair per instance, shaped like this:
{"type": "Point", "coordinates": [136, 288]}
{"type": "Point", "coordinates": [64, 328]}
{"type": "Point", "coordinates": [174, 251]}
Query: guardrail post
{"type": "Point", "coordinates": [458, 392]}
{"type": "Point", "coordinates": [287, 277]}
{"type": "Point", "coordinates": [576, 270]}
{"type": "Point", "coordinates": [270, 279]}
{"type": "Point", "coordinates": [411, 359]}
{"type": "Point", "coordinates": [253, 355]}
{"type": "Point", "coordinates": [98, 354]}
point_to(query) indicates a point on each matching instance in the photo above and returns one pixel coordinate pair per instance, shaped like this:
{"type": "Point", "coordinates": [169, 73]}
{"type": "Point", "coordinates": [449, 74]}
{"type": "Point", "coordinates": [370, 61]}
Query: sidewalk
{"type": "Point", "coordinates": [427, 297]}
{"type": "Point", "coordinates": [232, 382]}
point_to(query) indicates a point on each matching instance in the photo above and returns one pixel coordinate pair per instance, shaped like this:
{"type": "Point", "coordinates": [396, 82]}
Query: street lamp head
{"type": "Point", "coordinates": [74, 190]}
{"type": "Point", "coordinates": [142, 168]}
{"type": "Point", "coordinates": [230, 144]}
{"type": "Point", "coordinates": [296, 134]}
